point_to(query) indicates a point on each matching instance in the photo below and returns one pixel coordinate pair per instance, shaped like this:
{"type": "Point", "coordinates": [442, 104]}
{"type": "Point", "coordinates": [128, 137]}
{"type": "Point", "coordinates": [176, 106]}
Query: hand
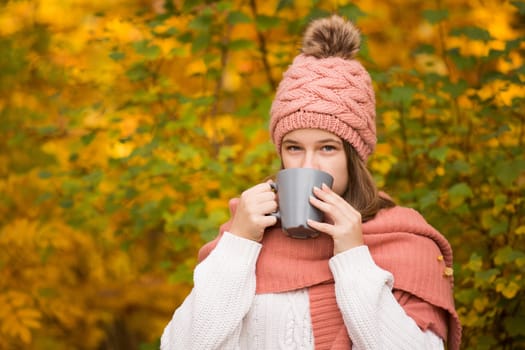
{"type": "Point", "coordinates": [251, 217]}
{"type": "Point", "coordinates": [343, 221]}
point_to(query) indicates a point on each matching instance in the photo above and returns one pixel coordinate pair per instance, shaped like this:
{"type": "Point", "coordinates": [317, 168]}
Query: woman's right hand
{"type": "Point", "coordinates": [251, 217]}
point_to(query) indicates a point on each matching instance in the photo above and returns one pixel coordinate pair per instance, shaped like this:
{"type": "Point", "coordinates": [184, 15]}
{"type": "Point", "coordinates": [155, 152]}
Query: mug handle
{"type": "Point", "coordinates": [277, 214]}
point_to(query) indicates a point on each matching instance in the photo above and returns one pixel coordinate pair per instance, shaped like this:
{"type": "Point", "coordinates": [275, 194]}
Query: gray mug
{"type": "Point", "coordinates": [294, 187]}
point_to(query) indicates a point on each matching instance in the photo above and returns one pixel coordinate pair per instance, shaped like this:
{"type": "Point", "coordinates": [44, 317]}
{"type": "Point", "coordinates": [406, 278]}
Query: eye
{"type": "Point", "coordinates": [293, 148]}
{"type": "Point", "coordinates": [328, 148]}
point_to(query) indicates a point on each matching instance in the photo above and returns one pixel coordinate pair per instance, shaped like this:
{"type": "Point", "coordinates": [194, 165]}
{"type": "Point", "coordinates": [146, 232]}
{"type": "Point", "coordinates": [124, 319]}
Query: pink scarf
{"type": "Point", "coordinates": [400, 241]}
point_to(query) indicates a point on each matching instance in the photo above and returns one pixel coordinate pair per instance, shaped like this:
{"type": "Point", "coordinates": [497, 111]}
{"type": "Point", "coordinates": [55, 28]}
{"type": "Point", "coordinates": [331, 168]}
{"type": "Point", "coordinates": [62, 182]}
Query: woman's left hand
{"type": "Point", "coordinates": [343, 222]}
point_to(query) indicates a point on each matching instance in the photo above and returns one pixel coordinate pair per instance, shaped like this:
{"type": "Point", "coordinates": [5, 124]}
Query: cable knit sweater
{"type": "Point", "coordinates": [295, 304]}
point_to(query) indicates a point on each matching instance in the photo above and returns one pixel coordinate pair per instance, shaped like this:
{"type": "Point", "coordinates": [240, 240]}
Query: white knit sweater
{"type": "Point", "coordinates": [223, 311]}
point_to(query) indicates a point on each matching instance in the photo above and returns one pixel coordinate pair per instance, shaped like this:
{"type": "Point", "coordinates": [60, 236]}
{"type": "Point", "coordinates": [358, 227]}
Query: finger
{"type": "Point", "coordinates": [337, 213]}
{"type": "Point", "coordinates": [257, 194]}
{"type": "Point", "coordinates": [268, 220]}
{"type": "Point", "coordinates": [267, 207]}
{"type": "Point", "coordinates": [262, 187]}
{"type": "Point", "coordinates": [271, 183]}
{"type": "Point", "coordinates": [326, 194]}
{"type": "Point", "coordinates": [321, 227]}
{"type": "Point", "coordinates": [232, 204]}
{"type": "Point", "coordinates": [324, 206]}
{"type": "Point", "coordinates": [266, 196]}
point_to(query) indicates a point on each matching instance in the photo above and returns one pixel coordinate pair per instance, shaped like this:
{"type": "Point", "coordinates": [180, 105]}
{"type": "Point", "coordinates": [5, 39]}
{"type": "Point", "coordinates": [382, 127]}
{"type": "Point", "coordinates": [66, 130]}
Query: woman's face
{"type": "Point", "coordinates": [318, 149]}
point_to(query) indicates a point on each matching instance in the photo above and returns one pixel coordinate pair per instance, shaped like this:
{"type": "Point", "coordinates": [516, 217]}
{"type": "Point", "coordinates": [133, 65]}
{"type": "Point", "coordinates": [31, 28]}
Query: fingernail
{"type": "Point", "coordinates": [316, 188]}
{"type": "Point", "coordinates": [324, 186]}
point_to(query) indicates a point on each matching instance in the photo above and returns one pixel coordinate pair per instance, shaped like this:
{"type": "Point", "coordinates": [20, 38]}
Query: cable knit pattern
{"type": "Point", "coordinates": [332, 94]}
{"type": "Point", "coordinates": [400, 241]}
{"type": "Point", "coordinates": [265, 325]}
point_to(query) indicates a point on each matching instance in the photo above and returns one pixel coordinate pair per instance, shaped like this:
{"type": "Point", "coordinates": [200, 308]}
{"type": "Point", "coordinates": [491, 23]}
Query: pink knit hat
{"type": "Point", "coordinates": [326, 88]}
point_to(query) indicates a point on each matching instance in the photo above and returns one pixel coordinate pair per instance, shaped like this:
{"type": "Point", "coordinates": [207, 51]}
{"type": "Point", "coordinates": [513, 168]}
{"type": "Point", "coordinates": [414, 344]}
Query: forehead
{"type": "Point", "coordinates": [313, 135]}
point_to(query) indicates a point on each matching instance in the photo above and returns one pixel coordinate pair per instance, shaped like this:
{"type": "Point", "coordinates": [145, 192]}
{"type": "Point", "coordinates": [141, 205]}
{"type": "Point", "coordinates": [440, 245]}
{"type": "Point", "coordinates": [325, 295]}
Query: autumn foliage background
{"type": "Point", "coordinates": [127, 125]}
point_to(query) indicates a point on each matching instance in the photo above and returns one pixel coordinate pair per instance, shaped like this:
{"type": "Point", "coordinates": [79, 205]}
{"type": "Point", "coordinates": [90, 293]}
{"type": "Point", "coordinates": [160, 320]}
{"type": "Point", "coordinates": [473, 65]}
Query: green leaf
{"type": "Point", "coordinates": [88, 138]}
{"type": "Point", "coordinates": [495, 54]}
{"type": "Point", "coordinates": [47, 130]}
{"type": "Point", "coordinates": [185, 37]}
{"type": "Point", "coordinates": [460, 191]}
{"type": "Point", "coordinates": [202, 22]}
{"type": "Point", "coordinates": [224, 6]}
{"type": "Point", "coordinates": [500, 200]}
{"type": "Point", "coordinates": [520, 5]}
{"type": "Point", "coordinates": [487, 275]}
{"type": "Point", "coordinates": [267, 22]}
{"type": "Point", "coordinates": [507, 255]}
{"type": "Point", "coordinates": [456, 89]}
{"type": "Point", "coordinates": [45, 174]}
{"type": "Point", "coordinates": [169, 33]}
{"type": "Point", "coordinates": [201, 42]}
{"type": "Point", "coordinates": [514, 324]}
{"type": "Point", "coordinates": [425, 48]}
{"type": "Point", "coordinates": [117, 56]}
{"type": "Point", "coordinates": [13, 59]}
{"type": "Point", "coordinates": [158, 21]}
{"type": "Point", "coordinates": [137, 72]}
{"type": "Point", "coordinates": [462, 62]}
{"type": "Point", "coordinates": [475, 262]}
{"type": "Point", "coordinates": [508, 171]}
{"type": "Point", "coordinates": [282, 4]}
{"type": "Point", "coordinates": [144, 48]}
{"type": "Point", "coordinates": [472, 32]}
{"type": "Point", "coordinates": [66, 203]}
{"type": "Point", "coordinates": [435, 16]}
{"type": "Point", "coordinates": [428, 199]}
{"type": "Point", "coordinates": [402, 94]}
{"type": "Point", "coordinates": [182, 273]}
{"type": "Point", "coordinates": [439, 153]}
{"type": "Point", "coordinates": [241, 44]}
{"type": "Point", "coordinates": [460, 166]}
{"type": "Point", "coordinates": [514, 44]}
{"type": "Point", "coordinates": [499, 228]}
{"type": "Point", "coordinates": [237, 17]}
{"type": "Point", "coordinates": [94, 177]}
{"type": "Point", "coordinates": [317, 12]}
{"type": "Point", "coordinates": [177, 52]}
{"type": "Point", "coordinates": [467, 296]}
{"type": "Point", "coordinates": [351, 11]}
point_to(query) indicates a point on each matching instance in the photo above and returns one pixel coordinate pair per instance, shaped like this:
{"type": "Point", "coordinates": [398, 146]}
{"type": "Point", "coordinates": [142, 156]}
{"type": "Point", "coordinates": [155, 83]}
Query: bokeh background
{"type": "Point", "coordinates": [127, 125]}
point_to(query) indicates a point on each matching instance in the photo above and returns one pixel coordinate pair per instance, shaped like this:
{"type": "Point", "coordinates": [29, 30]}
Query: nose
{"type": "Point", "coordinates": [310, 160]}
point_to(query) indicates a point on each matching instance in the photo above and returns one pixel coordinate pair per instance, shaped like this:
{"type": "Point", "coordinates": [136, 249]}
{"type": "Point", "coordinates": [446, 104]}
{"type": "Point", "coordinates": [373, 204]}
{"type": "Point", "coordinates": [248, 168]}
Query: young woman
{"type": "Point", "coordinates": [378, 277]}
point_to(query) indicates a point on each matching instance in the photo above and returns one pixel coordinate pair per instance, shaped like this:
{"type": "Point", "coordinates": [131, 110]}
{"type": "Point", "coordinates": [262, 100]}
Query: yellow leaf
{"type": "Point", "coordinates": [119, 149]}
{"type": "Point", "coordinates": [9, 24]}
{"type": "Point", "coordinates": [24, 334]}
{"type": "Point", "coordinates": [481, 303]}
{"type": "Point", "coordinates": [197, 66]}
{"type": "Point", "coordinates": [58, 14]}
{"type": "Point", "coordinates": [431, 64]}
{"type": "Point", "coordinates": [509, 290]}
{"type": "Point", "coordinates": [15, 16]}
{"type": "Point", "coordinates": [123, 31]}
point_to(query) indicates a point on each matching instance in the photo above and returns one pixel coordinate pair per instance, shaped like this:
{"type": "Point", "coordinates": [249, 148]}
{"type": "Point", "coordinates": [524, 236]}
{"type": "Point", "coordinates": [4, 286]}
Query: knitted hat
{"type": "Point", "coordinates": [326, 88]}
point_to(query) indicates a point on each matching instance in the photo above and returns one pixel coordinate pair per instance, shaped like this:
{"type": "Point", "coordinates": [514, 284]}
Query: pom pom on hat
{"type": "Point", "coordinates": [326, 88]}
{"type": "Point", "coordinates": [331, 37]}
